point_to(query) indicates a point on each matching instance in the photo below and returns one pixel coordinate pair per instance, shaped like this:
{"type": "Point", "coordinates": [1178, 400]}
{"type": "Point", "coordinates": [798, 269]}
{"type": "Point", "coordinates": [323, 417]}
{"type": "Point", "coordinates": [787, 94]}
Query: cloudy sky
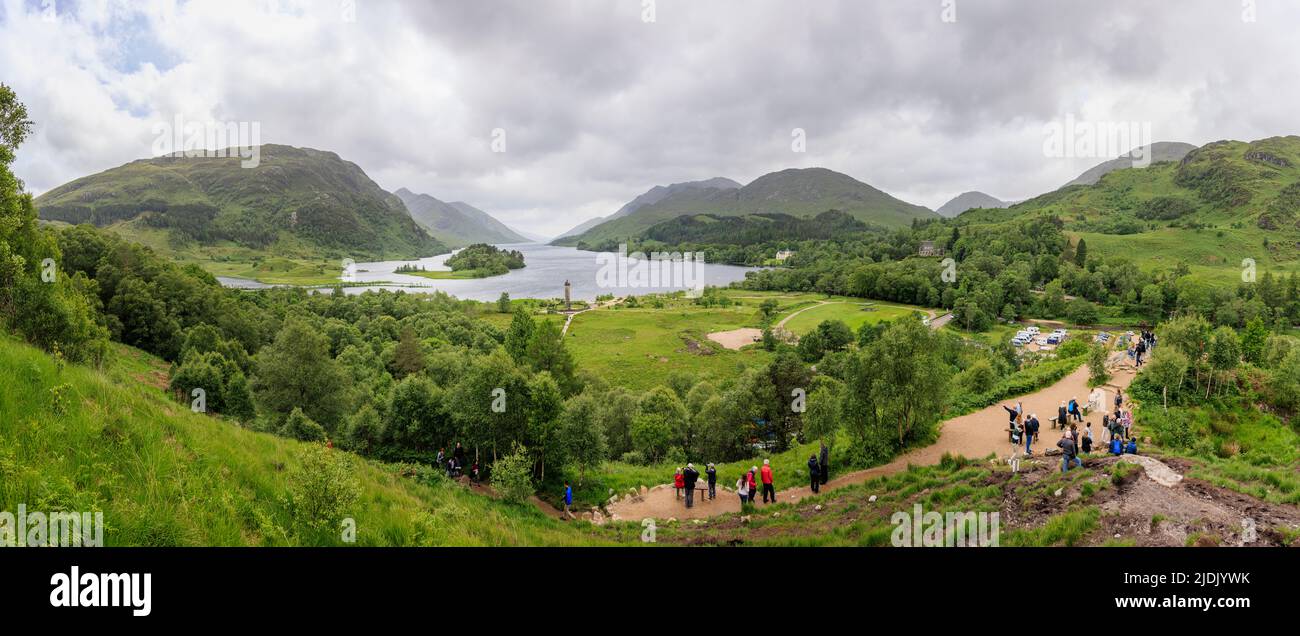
{"type": "Point", "coordinates": [601, 99]}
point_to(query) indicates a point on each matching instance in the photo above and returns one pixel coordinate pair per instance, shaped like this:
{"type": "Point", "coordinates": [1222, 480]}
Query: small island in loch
{"type": "Point", "coordinates": [475, 261]}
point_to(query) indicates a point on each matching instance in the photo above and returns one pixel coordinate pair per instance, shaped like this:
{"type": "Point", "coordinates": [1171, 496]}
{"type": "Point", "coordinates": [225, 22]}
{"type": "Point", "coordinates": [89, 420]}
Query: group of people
{"type": "Point", "coordinates": [455, 464]}
{"type": "Point", "coordinates": [686, 479]}
{"type": "Point", "coordinates": [1074, 443]}
{"type": "Point", "coordinates": [1137, 351]}
{"type": "Point", "coordinates": [750, 484]}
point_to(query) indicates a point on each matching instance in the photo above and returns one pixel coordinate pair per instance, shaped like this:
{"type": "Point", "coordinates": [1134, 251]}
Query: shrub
{"type": "Point", "coordinates": [512, 475]}
{"type": "Point", "coordinates": [300, 427]}
{"type": "Point", "coordinates": [322, 488]}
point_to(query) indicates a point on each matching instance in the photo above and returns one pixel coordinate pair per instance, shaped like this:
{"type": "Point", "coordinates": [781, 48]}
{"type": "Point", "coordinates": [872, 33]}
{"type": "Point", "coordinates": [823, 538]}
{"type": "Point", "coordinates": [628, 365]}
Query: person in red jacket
{"type": "Point", "coordinates": [753, 483]}
{"type": "Point", "coordinates": [679, 482]}
{"type": "Point", "coordinates": [768, 488]}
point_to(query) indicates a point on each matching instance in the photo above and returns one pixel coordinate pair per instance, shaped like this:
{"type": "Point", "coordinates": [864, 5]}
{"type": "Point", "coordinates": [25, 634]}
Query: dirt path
{"type": "Point", "coordinates": [565, 330]}
{"type": "Point", "coordinates": [973, 435]}
{"type": "Point", "coordinates": [736, 338]}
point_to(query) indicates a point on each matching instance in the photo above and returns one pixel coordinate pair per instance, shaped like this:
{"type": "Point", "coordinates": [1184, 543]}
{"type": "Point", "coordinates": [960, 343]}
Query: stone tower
{"type": "Point", "coordinates": [568, 303]}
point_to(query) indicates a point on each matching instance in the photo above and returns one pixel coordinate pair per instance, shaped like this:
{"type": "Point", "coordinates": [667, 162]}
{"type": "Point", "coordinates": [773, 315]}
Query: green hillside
{"type": "Point", "coordinates": [801, 192]}
{"type": "Point", "coordinates": [457, 224]}
{"type": "Point", "coordinates": [298, 203]}
{"type": "Point", "coordinates": [1224, 202]}
{"type": "Point", "coordinates": [110, 440]}
{"type": "Point", "coordinates": [752, 228]}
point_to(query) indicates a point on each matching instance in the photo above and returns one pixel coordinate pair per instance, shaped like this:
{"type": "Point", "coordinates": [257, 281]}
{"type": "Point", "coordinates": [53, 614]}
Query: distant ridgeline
{"type": "Point", "coordinates": [308, 195]}
{"type": "Point", "coordinates": [486, 259]}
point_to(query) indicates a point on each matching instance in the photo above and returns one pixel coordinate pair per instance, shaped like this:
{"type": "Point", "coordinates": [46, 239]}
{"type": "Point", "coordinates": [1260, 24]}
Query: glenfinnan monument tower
{"type": "Point", "coordinates": [568, 303]}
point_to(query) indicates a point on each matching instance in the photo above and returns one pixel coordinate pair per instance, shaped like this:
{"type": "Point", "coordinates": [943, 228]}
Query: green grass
{"type": "Point", "coordinates": [639, 348]}
{"type": "Point", "coordinates": [165, 476]}
{"type": "Point", "coordinates": [853, 313]}
{"type": "Point", "coordinates": [460, 274]}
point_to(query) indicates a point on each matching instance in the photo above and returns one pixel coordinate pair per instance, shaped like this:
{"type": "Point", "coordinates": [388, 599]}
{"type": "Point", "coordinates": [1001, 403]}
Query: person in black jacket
{"type": "Point", "coordinates": [815, 473]}
{"type": "Point", "coordinates": [825, 463]}
{"type": "Point", "coordinates": [1068, 453]}
{"type": "Point", "coordinates": [712, 473]}
{"type": "Point", "coordinates": [689, 477]}
{"type": "Point", "coordinates": [1061, 415]}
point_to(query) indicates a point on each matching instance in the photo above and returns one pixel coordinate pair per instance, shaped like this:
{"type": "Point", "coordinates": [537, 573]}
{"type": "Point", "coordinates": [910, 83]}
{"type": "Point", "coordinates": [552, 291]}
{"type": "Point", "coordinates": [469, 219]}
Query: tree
{"type": "Point", "coordinates": [407, 357]}
{"type": "Point", "coordinates": [581, 434]}
{"type": "Point", "coordinates": [1167, 368]}
{"type": "Point", "coordinates": [835, 335]}
{"type": "Point", "coordinates": [768, 309]}
{"type": "Point", "coordinates": [296, 371]}
{"type": "Point", "coordinates": [322, 489]}
{"type": "Point", "coordinates": [899, 381]}
{"type": "Point", "coordinates": [1225, 353]}
{"type": "Point", "coordinates": [546, 352]}
{"type": "Point", "coordinates": [1098, 374]}
{"type": "Point", "coordinates": [1254, 340]}
{"type": "Point", "coordinates": [1284, 382]}
{"type": "Point", "coordinates": [512, 475]}
{"type": "Point", "coordinates": [1081, 253]}
{"type": "Point", "coordinates": [503, 303]}
{"type": "Point", "coordinates": [300, 427]}
{"type": "Point", "coordinates": [519, 334]}
{"type": "Point", "coordinates": [544, 407]}
{"type": "Point", "coordinates": [822, 420]}
{"type": "Point", "coordinates": [1081, 312]}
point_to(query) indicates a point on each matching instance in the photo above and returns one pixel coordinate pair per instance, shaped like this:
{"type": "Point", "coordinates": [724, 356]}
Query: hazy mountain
{"type": "Point", "coordinates": [800, 192]}
{"type": "Point", "coordinates": [581, 227]}
{"type": "Point", "coordinates": [1158, 151]}
{"type": "Point", "coordinates": [304, 196]}
{"type": "Point", "coordinates": [458, 223]}
{"type": "Point", "coordinates": [968, 200]}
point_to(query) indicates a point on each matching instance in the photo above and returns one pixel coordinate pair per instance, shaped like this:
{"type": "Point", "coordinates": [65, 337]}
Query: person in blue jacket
{"type": "Point", "coordinates": [1132, 446]}
{"type": "Point", "coordinates": [568, 499]}
{"type": "Point", "coordinates": [1116, 446]}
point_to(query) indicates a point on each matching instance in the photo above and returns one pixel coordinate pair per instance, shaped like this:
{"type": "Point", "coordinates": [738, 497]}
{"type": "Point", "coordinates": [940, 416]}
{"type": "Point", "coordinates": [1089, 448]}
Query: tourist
{"type": "Point", "coordinates": [742, 489]}
{"type": "Point", "coordinates": [679, 482]}
{"type": "Point", "coordinates": [442, 457]}
{"type": "Point", "coordinates": [1074, 410]}
{"type": "Point", "coordinates": [459, 454]}
{"type": "Point", "coordinates": [1087, 439]}
{"type": "Point", "coordinates": [814, 473]}
{"type": "Point", "coordinates": [753, 483]}
{"type": "Point", "coordinates": [1132, 446]}
{"type": "Point", "coordinates": [689, 477]}
{"type": "Point", "coordinates": [1074, 436]}
{"type": "Point", "coordinates": [1062, 414]}
{"type": "Point", "coordinates": [1014, 459]}
{"type": "Point", "coordinates": [712, 474]}
{"type": "Point", "coordinates": [1119, 398]}
{"type": "Point", "coordinates": [825, 463]}
{"type": "Point", "coordinates": [768, 487]}
{"type": "Point", "coordinates": [1116, 446]}
{"type": "Point", "coordinates": [1031, 431]}
{"type": "Point", "coordinates": [1066, 444]}
{"type": "Point", "coordinates": [568, 500]}
{"type": "Point", "coordinates": [1013, 416]}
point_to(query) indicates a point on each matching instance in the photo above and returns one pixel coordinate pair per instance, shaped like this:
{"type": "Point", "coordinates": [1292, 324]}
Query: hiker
{"type": "Point", "coordinates": [1087, 439]}
{"type": "Point", "coordinates": [568, 499]}
{"type": "Point", "coordinates": [712, 474]}
{"type": "Point", "coordinates": [742, 489]}
{"type": "Point", "coordinates": [1132, 448]}
{"type": "Point", "coordinates": [768, 487]}
{"type": "Point", "coordinates": [1062, 414]}
{"type": "Point", "coordinates": [1074, 410]}
{"type": "Point", "coordinates": [753, 483]}
{"type": "Point", "coordinates": [1117, 429]}
{"type": "Point", "coordinates": [688, 479]}
{"type": "Point", "coordinates": [825, 463]}
{"type": "Point", "coordinates": [442, 457]}
{"type": "Point", "coordinates": [1013, 416]}
{"type": "Point", "coordinates": [1116, 446]}
{"type": "Point", "coordinates": [1031, 433]}
{"type": "Point", "coordinates": [1067, 447]}
{"type": "Point", "coordinates": [459, 453]}
{"type": "Point", "coordinates": [1074, 436]}
{"type": "Point", "coordinates": [451, 469]}
{"type": "Point", "coordinates": [679, 482]}
{"type": "Point", "coordinates": [1119, 398]}
{"type": "Point", "coordinates": [1128, 423]}
{"type": "Point", "coordinates": [815, 473]}
{"type": "Point", "coordinates": [473, 471]}
{"type": "Point", "coordinates": [1014, 459]}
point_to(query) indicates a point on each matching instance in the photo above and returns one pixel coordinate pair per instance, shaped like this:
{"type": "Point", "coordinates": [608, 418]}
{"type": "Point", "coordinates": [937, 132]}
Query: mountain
{"type": "Point", "coordinates": [581, 227]}
{"type": "Point", "coordinates": [969, 200]}
{"type": "Point", "coordinates": [457, 224]}
{"type": "Point", "coordinates": [307, 201]}
{"type": "Point", "coordinates": [531, 236]}
{"type": "Point", "coordinates": [1221, 203]}
{"type": "Point", "coordinates": [751, 229]}
{"type": "Point", "coordinates": [1158, 151]}
{"type": "Point", "coordinates": [800, 192]}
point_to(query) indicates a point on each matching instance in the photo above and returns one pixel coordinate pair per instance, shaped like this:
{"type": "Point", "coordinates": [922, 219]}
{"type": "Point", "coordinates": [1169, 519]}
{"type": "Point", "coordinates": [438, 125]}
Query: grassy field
{"type": "Point", "coordinates": [446, 275]}
{"type": "Point", "coordinates": [112, 441]}
{"type": "Point", "coordinates": [638, 348]}
{"type": "Point", "coordinates": [853, 313]}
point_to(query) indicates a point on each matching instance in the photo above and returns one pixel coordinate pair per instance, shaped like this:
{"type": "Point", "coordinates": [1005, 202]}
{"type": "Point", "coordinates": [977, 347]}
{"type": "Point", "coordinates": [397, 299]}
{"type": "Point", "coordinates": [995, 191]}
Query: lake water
{"type": "Point", "coordinates": [546, 269]}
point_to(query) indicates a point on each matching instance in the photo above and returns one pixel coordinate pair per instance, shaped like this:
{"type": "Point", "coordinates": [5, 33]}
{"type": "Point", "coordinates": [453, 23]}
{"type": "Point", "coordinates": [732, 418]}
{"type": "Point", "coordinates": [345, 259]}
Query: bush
{"type": "Point", "coordinates": [300, 427]}
{"type": "Point", "coordinates": [322, 489]}
{"type": "Point", "coordinates": [636, 458]}
{"type": "Point", "coordinates": [512, 475]}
